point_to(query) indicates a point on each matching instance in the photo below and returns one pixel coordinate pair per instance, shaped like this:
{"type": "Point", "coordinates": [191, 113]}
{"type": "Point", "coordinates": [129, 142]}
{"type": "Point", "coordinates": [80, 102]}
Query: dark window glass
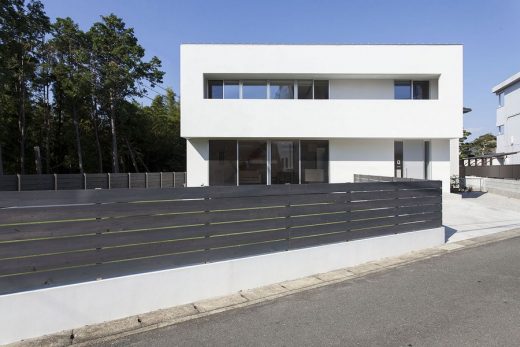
{"type": "Point", "coordinates": [231, 90]}
{"type": "Point", "coordinates": [222, 163]}
{"type": "Point", "coordinates": [215, 89]}
{"type": "Point", "coordinates": [421, 89]}
{"type": "Point", "coordinates": [321, 89]}
{"type": "Point", "coordinates": [281, 90]}
{"type": "Point", "coordinates": [254, 90]}
{"type": "Point", "coordinates": [315, 161]}
{"type": "Point", "coordinates": [304, 89]}
{"type": "Point", "coordinates": [252, 163]}
{"type": "Point", "coordinates": [402, 90]}
{"type": "Point", "coordinates": [284, 162]}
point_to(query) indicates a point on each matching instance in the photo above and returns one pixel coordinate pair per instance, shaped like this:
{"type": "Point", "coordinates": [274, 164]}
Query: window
{"type": "Point", "coordinates": [321, 89]}
{"type": "Point", "coordinates": [281, 90]}
{"type": "Point", "coordinates": [501, 129]}
{"type": "Point", "coordinates": [222, 163]}
{"type": "Point", "coordinates": [305, 89]}
{"type": "Point", "coordinates": [215, 89]}
{"type": "Point", "coordinates": [284, 162]}
{"type": "Point", "coordinates": [402, 90]}
{"type": "Point", "coordinates": [254, 90]}
{"type": "Point", "coordinates": [421, 90]}
{"type": "Point", "coordinates": [231, 90]}
{"type": "Point", "coordinates": [405, 90]}
{"type": "Point", "coordinates": [501, 99]}
{"type": "Point", "coordinates": [252, 162]}
{"type": "Point", "coordinates": [314, 161]}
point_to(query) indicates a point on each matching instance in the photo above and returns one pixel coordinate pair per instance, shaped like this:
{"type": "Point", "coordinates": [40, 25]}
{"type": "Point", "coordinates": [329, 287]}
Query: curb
{"type": "Point", "coordinates": [107, 331]}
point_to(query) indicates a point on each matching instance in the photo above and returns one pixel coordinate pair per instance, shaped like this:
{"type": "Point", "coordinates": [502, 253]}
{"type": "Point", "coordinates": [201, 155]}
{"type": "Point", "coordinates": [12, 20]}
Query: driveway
{"type": "Point", "coordinates": [476, 214]}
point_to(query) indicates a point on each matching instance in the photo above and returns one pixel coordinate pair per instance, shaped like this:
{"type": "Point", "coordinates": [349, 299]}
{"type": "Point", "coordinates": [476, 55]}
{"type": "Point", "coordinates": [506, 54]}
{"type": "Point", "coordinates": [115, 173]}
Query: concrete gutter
{"type": "Point", "coordinates": [111, 330]}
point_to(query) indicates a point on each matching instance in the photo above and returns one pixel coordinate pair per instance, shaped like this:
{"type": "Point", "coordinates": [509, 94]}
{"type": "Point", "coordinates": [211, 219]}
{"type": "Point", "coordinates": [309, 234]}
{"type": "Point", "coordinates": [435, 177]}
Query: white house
{"type": "Point", "coordinates": [508, 119]}
{"type": "Point", "coordinates": [278, 114]}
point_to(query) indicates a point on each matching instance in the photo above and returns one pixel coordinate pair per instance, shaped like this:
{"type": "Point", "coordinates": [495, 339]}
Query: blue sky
{"type": "Point", "coordinates": [488, 29]}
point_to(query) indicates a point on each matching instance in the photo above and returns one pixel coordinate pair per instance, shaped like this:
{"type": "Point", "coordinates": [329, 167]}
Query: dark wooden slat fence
{"type": "Point", "coordinates": [63, 237]}
{"type": "Point", "coordinates": [491, 171]}
{"type": "Point", "coordinates": [92, 181]}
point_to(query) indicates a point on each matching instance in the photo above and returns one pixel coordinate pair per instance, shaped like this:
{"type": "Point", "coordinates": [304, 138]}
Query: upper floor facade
{"type": "Point", "coordinates": [321, 91]}
{"type": "Point", "coordinates": [508, 116]}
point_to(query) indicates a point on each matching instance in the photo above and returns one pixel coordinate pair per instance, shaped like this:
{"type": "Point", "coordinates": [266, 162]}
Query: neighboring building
{"type": "Point", "coordinates": [508, 119]}
{"type": "Point", "coordinates": [278, 114]}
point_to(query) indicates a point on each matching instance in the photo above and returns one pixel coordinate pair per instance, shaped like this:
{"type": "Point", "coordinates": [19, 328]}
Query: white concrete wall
{"type": "Point", "coordinates": [509, 116]}
{"type": "Point", "coordinates": [363, 89]}
{"type": "Point", "coordinates": [504, 187]}
{"type": "Point", "coordinates": [454, 157]}
{"type": "Point", "coordinates": [197, 162]}
{"type": "Point", "coordinates": [360, 156]}
{"type": "Point", "coordinates": [211, 118]}
{"type": "Point", "coordinates": [441, 163]}
{"type": "Point", "coordinates": [413, 159]}
{"type": "Point", "coordinates": [35, 313]}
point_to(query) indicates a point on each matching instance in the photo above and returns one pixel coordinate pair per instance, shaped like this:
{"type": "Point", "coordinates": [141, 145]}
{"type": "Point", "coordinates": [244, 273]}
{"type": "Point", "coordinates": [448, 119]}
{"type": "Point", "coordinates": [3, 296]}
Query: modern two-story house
{"type": "Point", "coordinates": [297, 114]}
{"type": "Point", "coordinates": [508, 120]}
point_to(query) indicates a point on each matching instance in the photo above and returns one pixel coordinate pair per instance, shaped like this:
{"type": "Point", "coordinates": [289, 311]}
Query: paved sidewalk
{"type": "Point", "coordinates": [476, 214]}
{"type": "Point", "coordinates": [464, 298]}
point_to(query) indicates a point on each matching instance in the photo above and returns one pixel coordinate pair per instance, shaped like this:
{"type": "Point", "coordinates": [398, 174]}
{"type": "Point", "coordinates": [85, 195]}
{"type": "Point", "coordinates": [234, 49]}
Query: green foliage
{"type": "Point", "coordinates": [482, 145]}
{"type": "Point", "coordinates": [72, 93]}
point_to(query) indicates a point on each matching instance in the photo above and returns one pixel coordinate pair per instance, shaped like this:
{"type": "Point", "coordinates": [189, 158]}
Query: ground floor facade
{"type": "Point", "coordinates": [301, 161]}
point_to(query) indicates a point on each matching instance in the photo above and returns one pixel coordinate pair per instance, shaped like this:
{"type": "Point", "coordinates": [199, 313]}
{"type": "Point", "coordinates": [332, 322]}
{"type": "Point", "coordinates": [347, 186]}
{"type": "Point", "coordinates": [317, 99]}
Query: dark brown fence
{"type": "Point", "coordinates": [62, 237]}
{"type": "Point", "coordinates": [492, 171]}
{"type": "Point", "coordinates": [92, 181]}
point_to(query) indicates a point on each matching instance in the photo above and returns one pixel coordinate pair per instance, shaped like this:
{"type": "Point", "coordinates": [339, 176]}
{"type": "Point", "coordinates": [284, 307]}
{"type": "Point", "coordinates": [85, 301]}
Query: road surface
{"type": "Point", "coordinates": [465, 298]}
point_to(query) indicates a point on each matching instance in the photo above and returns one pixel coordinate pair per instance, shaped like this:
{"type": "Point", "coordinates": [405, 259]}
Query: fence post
{"type": "Point", "coordinates": [55, 182]}
{"type": "Point", "coordinates": [19, 179]}
{"type": "Point", "coordinates": [185, 179]}
{"type": "Point", "coordinates": [146, 179]}
{"type": "Point", "coordinates": [173, 185]}
{"type": "Point", "coordinates": [129, 181]}
{"type": "Point", "coordinates": [160, 179]}
{"type": "Point", "coordinates": [85, 181]}
{"type": "Point", "coordinates": [109, 183]}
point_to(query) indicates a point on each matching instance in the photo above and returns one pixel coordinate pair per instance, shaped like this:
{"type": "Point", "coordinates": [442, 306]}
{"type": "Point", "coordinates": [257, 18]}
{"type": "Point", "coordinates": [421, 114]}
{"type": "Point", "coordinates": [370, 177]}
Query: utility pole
{"type": "Point", "coordinates": [37, 160]}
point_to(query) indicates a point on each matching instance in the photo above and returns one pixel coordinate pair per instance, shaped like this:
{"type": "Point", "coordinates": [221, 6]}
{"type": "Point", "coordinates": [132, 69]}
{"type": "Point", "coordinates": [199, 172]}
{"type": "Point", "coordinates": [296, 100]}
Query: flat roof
{"type": "Point", "coordinates": [319, 44]}
{"type": "Point", "coordinates": [506, 83]}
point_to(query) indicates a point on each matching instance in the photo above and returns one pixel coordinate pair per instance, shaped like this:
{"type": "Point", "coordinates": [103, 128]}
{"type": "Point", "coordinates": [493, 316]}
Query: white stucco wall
{"type": "Point", "coordinates": [197, 162]}
{"type": "Point", "coordinates": [212, 118]}
{"type": "Point", "coordinates": [440, 162]}
{"type": "Point", "coordinates": [509, 116]}
{"type": "Point", "coordinates": [360, 156]}
{"type": "Point", "coordinates": [454, 157]}
{"type": "Point", "coordinates": [361, 89]}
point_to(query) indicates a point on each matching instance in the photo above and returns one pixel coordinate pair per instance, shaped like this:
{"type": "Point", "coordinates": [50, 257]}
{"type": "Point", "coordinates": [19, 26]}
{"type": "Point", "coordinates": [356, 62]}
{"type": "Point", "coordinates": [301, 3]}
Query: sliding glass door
{"type": "Point", "coordinates": [252, 162]}
{"type": "Point", "coordinates": [284, 162]}
{"type": "Point", "coordinates": [245, 162]}
{"type": "Point", "coordinates": [314, 161]}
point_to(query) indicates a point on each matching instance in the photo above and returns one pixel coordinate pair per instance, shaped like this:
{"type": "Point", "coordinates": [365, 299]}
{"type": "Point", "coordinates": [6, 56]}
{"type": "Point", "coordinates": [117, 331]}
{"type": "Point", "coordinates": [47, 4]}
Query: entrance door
{"type": "Point", "coordinates": [398, 159]}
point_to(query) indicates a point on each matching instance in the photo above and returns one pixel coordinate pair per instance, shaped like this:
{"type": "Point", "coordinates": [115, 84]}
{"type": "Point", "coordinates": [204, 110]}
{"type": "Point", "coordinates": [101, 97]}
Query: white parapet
{"type": "Point", "coordinates": [45, 311]}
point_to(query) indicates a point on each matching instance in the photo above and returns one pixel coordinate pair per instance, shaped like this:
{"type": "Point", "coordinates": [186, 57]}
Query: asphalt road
{"type": "Point", "coordinates": [465, 298]}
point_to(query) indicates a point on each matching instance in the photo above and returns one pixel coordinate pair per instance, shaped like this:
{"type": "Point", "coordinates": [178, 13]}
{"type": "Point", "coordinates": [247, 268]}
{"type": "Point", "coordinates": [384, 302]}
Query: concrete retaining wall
{"type": "Point", "coordinates": [505, 187]}
{"type": "Point", "coordinates": [36, 313]}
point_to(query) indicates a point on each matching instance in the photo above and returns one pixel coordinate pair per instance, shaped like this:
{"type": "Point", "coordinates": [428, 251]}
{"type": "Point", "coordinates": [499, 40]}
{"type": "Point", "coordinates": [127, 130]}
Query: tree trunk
{"type": "Point", "coordinates": [132, 156]}
{"type": "Point", "coordinates": [21, 119]}
{"type": "Point", "coordinates": [96, 133]}
{"type": "Point", "coordinates": [47, 125]}
{"type": "Point", "coordinates": [115, 155]}
{"type": "Point", "coordinates": [78, 140]}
